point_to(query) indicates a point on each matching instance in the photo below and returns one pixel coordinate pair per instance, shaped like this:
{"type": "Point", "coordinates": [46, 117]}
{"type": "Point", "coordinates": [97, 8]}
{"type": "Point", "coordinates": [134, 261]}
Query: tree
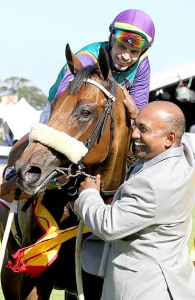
{"type": "Point", "coordinates": [22, 88]}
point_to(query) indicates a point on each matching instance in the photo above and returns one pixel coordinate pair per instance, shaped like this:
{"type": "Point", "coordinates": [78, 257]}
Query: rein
{"type": "Point", "coordinates": [97, 133]}
{"type": "Point", "coordinates": [99, 129]}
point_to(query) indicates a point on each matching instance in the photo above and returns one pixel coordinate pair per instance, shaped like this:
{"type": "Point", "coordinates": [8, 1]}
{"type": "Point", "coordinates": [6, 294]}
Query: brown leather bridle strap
{"type": "Point", "coordinates": [99, 129]}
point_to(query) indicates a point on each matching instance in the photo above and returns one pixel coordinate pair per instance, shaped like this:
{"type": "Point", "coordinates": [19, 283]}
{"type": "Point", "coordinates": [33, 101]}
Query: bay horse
{"type": "Point", "coordinates": [88, 133]}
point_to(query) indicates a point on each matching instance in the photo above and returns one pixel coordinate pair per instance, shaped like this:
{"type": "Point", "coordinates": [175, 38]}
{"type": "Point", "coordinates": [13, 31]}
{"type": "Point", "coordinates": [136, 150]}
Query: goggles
{"type": "Point", "coordinates": [131, 38]}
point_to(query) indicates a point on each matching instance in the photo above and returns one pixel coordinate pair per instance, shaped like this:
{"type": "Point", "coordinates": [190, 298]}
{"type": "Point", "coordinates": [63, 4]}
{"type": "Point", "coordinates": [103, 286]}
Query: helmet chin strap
{"type": "Point", "coordinates": [109, 43]}
{"type": "Point", "coordinates": [144, 51]}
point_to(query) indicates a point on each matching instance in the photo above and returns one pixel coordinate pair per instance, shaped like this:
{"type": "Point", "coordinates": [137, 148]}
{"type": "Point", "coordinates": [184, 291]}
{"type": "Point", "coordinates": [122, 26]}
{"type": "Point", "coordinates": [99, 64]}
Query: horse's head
{"type": "Point", "coordinates": [80, 131]}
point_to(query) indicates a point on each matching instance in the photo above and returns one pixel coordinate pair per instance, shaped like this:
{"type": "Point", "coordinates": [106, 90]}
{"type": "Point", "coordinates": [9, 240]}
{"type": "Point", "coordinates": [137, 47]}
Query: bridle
{"type": "Point", "coordinates": [75, 171]}
{"type": "Point", "coordinates": [97, 133]}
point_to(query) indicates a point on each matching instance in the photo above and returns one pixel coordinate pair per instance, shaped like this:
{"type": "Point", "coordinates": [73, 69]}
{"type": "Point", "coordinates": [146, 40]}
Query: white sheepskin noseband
{"type": "Point", "coordinates": [73, 149]}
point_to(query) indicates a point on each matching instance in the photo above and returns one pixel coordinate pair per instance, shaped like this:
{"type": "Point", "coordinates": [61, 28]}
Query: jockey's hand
{"type": "Point", "coordinates": [131, 107]}
{"type": "Point", "coordinates": [90, 183]}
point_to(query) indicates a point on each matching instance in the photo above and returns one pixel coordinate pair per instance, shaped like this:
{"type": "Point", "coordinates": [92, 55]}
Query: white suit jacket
{"type": "Point", "coordinates": [147, 227]}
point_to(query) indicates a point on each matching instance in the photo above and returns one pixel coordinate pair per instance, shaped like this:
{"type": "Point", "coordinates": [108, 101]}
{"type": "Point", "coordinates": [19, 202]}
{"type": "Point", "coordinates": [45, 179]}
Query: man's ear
{"type": "Point", "coordinates": [170, 139]}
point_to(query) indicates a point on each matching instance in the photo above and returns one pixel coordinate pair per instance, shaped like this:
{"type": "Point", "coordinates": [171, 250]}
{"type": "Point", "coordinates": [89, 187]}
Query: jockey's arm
{"type": "Point", "coordinates": [131, 107]}
{"type": "Point", "coordinates": [138, 96]}
{"type": "Point", "coordinates": [141, 85]}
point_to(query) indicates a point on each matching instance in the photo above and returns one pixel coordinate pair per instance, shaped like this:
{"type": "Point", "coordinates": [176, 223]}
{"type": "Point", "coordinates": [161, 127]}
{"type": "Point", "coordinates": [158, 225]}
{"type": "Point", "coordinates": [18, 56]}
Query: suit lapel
{"type": "Point", "coordinates": [138, 165]}
{"type": "Point", "coordinates": [164, 155]}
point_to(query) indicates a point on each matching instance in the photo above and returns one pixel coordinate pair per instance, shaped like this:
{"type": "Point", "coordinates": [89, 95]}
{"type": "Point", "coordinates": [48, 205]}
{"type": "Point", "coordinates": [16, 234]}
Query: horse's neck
{"type": "Point", "coordinates": [113, 169]}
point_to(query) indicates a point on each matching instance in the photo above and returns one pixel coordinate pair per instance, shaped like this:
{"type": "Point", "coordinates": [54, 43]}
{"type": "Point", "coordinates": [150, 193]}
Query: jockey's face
{"type": "Point", "coordinates": [123, 55]}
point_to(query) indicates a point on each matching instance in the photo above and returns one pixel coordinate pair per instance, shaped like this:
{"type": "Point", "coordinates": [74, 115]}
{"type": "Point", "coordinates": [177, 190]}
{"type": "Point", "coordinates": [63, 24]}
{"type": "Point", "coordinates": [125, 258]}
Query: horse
{"type": "Point", "coordinates": [88, 133]}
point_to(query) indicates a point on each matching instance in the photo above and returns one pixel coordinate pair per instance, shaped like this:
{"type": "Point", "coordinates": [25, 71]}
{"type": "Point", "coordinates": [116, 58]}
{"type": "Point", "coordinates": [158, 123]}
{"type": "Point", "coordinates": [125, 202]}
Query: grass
{"type": "Point", "coordinates": [191, 240]}
{"type": "Point", "coordinates": [56, 295]}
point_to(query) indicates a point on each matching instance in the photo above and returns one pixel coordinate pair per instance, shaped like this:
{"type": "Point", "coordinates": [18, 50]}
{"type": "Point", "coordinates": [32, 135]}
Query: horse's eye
{"type": "Point", "coordinates": [85, 113]}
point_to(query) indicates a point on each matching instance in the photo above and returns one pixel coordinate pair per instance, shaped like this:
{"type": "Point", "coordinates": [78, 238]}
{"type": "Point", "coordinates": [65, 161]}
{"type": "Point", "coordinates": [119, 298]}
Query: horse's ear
{"type": "Point", "coordinates": [103, 63]}
{"type": "Point", "coordinates": [73, 62]}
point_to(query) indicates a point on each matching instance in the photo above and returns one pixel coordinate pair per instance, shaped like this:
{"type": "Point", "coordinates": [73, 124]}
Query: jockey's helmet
{"type": "Point", "coordinates": [134, 27]}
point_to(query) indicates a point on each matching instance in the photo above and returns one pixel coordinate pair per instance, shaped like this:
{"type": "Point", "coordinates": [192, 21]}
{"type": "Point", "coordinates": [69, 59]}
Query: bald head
{"type": "Point", "coordinates": [170, 113]}
{"type": "Point", "coordinates": [158, 127]}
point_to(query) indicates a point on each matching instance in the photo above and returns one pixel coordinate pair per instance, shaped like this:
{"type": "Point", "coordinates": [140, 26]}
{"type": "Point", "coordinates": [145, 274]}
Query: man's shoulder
{"type": "Point", "coordinates": [171, 163]}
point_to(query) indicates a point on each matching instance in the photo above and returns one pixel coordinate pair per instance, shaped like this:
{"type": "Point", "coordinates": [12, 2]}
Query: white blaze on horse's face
{"type": "Point", "coordinates": [73, 149]}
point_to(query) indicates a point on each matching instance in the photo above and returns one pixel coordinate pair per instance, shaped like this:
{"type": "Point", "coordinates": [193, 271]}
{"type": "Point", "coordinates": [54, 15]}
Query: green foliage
{"type": "Point", "coordinates": [33, 95]}
{"type": "Point", "coordinates": [192, 237]}
{"type": "Point", "coordinates": [22, 88]}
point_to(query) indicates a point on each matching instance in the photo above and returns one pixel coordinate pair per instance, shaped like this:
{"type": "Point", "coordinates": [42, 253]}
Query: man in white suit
{"type": "Point", "coordinates": [149, 222]}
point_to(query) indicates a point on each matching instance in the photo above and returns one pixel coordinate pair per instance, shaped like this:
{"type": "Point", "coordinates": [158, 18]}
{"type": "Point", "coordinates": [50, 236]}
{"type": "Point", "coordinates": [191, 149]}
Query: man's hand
{"type": "Point", "coordinates": [131, 108]}
{"type": "Point", "coordinates": [89, 183]}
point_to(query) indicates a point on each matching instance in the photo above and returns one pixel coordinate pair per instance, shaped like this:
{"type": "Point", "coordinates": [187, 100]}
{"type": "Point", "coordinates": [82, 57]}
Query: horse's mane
{"type": "Point", "coordinates": [83, 73]}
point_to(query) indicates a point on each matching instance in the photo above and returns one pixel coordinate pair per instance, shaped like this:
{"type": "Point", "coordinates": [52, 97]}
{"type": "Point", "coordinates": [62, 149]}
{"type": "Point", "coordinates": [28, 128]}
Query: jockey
{"type": "Point", "coordinates": [131, 34]}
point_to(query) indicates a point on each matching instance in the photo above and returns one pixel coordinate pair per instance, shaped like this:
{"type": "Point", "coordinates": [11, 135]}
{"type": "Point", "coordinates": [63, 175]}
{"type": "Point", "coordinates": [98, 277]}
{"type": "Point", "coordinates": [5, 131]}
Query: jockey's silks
{"type": "Point", "coordinates": [88, 55]}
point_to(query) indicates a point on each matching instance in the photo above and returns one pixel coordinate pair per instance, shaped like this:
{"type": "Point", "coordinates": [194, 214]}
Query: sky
{"type": "Point", "coordinates": [34, 33]}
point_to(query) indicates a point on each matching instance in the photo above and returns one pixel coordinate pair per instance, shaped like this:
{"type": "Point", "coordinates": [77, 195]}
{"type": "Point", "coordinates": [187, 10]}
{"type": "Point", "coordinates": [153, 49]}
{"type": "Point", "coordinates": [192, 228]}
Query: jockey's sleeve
{"type": "Point", "coordinates": [140, 89]}
{"type": "Point", "coordinates": [44, 117]}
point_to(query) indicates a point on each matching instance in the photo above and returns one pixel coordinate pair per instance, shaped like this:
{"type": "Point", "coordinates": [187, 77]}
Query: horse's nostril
{"type": "Point", "coordinates": [32, 174]}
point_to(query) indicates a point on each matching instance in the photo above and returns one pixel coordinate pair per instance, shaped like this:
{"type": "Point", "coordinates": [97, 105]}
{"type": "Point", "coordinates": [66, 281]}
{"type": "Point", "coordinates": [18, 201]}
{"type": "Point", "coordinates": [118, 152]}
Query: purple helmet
{"type": "Point", "coordinates": [136, 22]}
